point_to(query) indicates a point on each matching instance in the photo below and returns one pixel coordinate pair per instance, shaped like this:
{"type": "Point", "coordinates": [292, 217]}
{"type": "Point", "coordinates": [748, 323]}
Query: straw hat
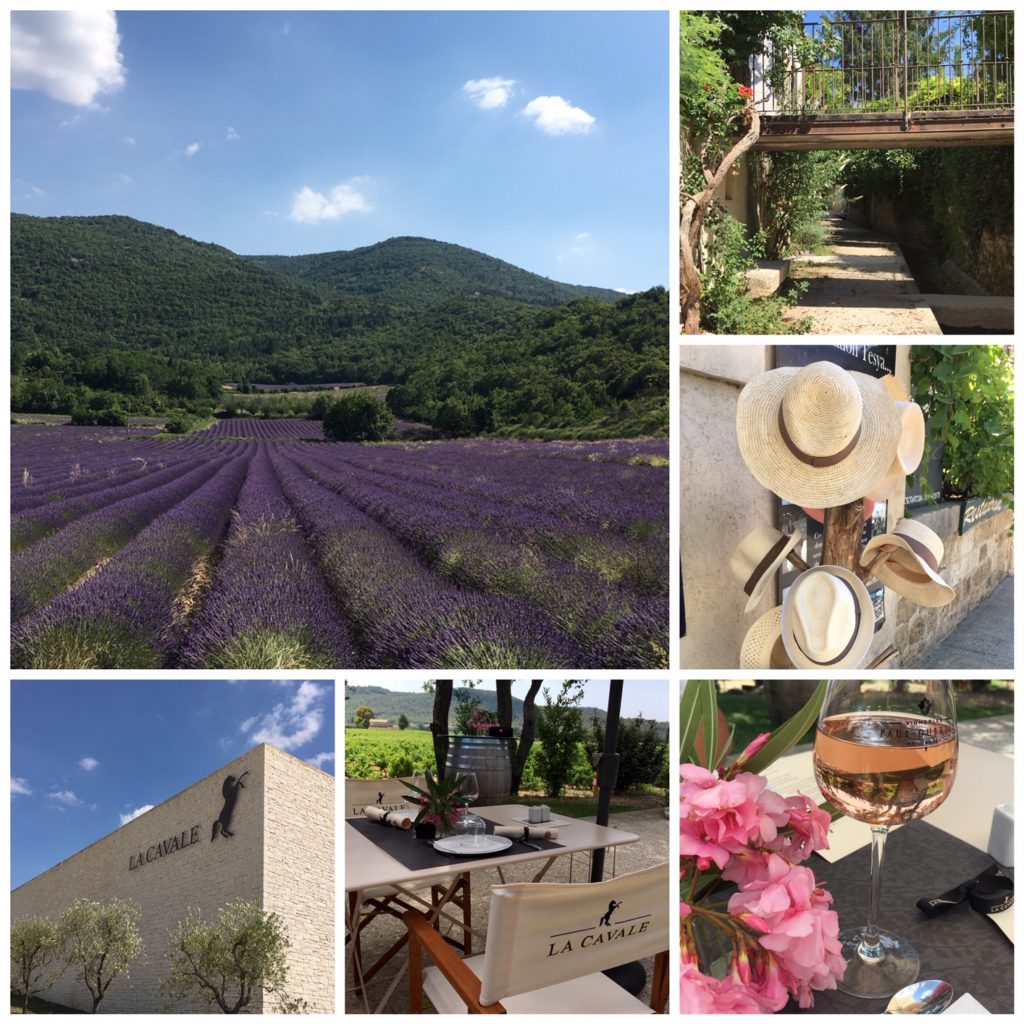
{"type": "Point", "coordinates": [828, 620]}
{"type": "Point", "coordinates": [757, 558]}
{"type": "Point", "coordinates": [913, 566]}
{"type": "Point", "coordinates": [911, 447]}
{"type": "Point", "coordinates": [763, 646]}
{"type": "Point", "coordinates": [818, 514]}
{"type": "Point", "coordinates": [817, 435]}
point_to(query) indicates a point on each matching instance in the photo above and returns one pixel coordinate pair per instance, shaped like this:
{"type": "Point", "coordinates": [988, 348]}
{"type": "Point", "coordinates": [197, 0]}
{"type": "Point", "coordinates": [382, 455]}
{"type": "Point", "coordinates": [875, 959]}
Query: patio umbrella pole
{"type": "Point", "coordinates": [607, 770]}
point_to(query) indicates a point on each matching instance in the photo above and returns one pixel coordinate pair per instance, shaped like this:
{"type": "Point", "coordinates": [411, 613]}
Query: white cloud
{"type": "Point", "coordinates": [72, 56]}
{"type": "Point", "coordinates": [132, 815]}
{"type": "Point", "coordinates": [581, 245]}
{"type": "Point", "coordinates": [66, 797]}
{"type": "Point", "coordinates": [623, 291]}
{"type": "Point", "coordinates": [88, 763]}
{"type": "Point", "coordinates": [72, 122]}
{"type": "Point", "coordinates": [320, 759]}
{"type": "Point", "coordinates": [233, 136]}
{"type": "Point", "coordinates": [489, 93]}
{"type": "Point", "coordinates": [20, 787]}
{"type": "Point", "coordinates": [123, 180]}
{"type": "Point", "coordinates": [555, 116]}
{"type": "Point", "coordinates": [128, 140]}
{"type": "Point", "coordinates": [192, 149]}
{"type": "Point", "coordinates": [248, 723]}
{"type": "Point", "coordinates": [309, 207]}
{"type": "Point", "coordinates": [290, 725]}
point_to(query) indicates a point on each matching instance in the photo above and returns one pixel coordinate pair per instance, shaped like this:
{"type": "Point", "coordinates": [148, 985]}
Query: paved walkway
{"type": "Point", "coordinates": [995, 734]}
{"type": "Point", "coordinates": [863, 286]}
{"type": "Point", "coordinates": [984, 640]}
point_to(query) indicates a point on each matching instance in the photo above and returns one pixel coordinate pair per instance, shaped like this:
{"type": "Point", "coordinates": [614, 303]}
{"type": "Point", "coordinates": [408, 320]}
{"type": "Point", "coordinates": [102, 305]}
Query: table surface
{"type": "Point", "coordinates": [368, 866]}
{"type": "Point", "coordinates": [925, 858]}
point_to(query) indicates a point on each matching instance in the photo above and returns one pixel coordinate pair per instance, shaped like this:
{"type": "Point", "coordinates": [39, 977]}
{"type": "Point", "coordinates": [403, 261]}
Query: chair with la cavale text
{"type": "Point", "coordinates": [547, 945]}
{"type": "Point", "coordinates": [385, 900]}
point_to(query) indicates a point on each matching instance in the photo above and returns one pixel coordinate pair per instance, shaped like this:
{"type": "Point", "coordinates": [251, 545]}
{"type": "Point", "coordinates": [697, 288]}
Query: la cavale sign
{"type": "Point", "coordinates": [187, 837]}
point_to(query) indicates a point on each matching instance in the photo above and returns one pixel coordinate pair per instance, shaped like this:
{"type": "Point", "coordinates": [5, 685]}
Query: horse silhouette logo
{"type": "Point", "coordinates": [606, 920]}
{"type": "Point", "coordinates": [380, 799]}
{"type": "Point", "coordinates": [230, 793]}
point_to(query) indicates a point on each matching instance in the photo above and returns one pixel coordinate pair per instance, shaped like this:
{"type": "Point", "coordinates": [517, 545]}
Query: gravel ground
{"type": "Point", "coordinates": [653, 847]}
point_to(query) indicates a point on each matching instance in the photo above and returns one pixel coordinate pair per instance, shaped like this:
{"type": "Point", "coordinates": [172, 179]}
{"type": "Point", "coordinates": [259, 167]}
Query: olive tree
{"type": "Point", "coordinates": [35, 957]}
{"type": "Point", "coordinates": [229, 962]}
{"type": "Point", "coordinates": [100, 941]}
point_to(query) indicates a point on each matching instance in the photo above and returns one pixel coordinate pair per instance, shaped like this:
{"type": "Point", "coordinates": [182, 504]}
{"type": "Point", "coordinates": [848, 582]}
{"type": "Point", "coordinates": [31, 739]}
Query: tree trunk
{"type": "Point", "coordinates": [692, 217]}
{"type": "Point", "coordinates": [522, 751]}
{"type": "Point", "coordinates": [504, 688]}
{"type": "Point", "coordinates": [841, 546]}
{"type": "Point", "coordinates": [439, 722]}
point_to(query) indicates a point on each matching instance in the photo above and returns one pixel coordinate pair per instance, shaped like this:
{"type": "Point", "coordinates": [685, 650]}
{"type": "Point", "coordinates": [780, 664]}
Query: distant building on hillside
{"type": "Point", "coordinates": [380, 723]}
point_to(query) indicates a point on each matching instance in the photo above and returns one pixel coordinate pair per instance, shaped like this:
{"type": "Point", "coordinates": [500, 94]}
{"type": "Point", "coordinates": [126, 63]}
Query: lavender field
{"type": "Point", "coordinates": [255, 544]}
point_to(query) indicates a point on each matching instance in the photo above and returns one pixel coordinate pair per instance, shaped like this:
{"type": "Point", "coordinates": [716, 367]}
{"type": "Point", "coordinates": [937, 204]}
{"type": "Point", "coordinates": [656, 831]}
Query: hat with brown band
{"type": "Point", "coordinates": [763, 646]}
{"type": "Point", "coordinates": [910, 450]}
{"type": "Point", "coordinates": [758, 557]}
{"type": "Point", "coordinates": [817, 435]}
{"type": "Point", "coordinates": [828, 620]}
{"type": "Point", "coordinates": [912, 568]}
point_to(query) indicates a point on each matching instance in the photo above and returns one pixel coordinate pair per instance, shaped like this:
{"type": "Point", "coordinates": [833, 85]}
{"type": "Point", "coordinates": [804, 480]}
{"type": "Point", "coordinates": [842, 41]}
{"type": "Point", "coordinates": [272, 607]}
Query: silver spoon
{"type": "Point", "coordinates": [921, 997]}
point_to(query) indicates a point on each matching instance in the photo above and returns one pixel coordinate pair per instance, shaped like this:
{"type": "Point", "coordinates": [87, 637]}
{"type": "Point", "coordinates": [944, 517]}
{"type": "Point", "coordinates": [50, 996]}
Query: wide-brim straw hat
{"type": "Point", "coordinates": [909, 451]}
{"type": "Point", "coordinates": [912, 569]}
{"type": "Point", "coordinates": [817, 435]}
{"type": "Point", "coordinates": [757, 558]}
{"type": "Point", "coordinates": [818, 514]}
{"type": "Point", "coordinates": [763, 646]}
{"type": "Point", "coordinates": [828, 620]}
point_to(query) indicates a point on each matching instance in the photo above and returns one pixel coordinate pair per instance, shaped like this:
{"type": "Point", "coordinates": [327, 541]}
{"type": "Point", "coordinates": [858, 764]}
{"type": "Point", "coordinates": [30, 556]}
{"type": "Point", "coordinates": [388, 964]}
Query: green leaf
{"type": "Point", "coordinates": [709, 716]}
{"type": "Point", "coordinates": [689, 718]}
{"type": "Point", "coordinates": [789, 732]}
{"type": "Point", "coordinates": [728, 746]}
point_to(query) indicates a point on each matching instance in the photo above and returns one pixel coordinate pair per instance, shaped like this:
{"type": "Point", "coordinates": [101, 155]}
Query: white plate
{"type": "Point", "coordinates": [464, 846]}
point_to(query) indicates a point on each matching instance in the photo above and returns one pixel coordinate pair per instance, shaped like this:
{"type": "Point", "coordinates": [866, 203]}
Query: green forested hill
{"type": "Point", "coordinates": [112, 311]}
{"type": "Point", "coordinates": [419, 272]}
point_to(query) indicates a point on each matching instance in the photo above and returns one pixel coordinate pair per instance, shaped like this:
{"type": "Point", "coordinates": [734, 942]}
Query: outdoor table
{"type": "Point", "coordinates": [368, 866]}
{"type": "Point", "coordinates": [926, 858]}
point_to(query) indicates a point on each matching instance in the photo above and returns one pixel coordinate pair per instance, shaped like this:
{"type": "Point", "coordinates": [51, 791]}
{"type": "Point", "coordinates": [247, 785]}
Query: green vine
{"type": "Point", "coordinates": [966, 394]}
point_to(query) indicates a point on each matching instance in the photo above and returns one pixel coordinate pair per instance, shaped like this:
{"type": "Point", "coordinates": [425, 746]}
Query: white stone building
{"type": "Point", "coordinates": [278, 848]}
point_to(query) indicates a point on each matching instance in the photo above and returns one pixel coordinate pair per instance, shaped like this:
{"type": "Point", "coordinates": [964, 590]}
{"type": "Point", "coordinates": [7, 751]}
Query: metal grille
{"type": "Point", "coordinates": [912, 63]}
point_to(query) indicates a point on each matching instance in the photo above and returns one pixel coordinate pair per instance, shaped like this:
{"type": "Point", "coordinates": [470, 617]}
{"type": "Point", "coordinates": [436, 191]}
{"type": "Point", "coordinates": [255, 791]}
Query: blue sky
{"type": "Point", "coordinates": [537, 137]}
{"type": "Point", "coordinates": [648, 697]}
{"type": "Point", "coordinates": [86, 755]}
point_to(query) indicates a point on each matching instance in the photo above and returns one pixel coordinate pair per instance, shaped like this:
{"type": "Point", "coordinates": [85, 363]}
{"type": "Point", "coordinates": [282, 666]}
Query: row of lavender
{"type": "Point", "coordinates": [444, 554]}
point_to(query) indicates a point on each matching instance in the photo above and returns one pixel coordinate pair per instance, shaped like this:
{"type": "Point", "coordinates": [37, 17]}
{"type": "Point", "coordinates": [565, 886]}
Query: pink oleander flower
{"type": "Point", "coordinates": [752, 748]}
{"type": "Point", "coordinates": [810, 825]}
{"type": "Point", "coordinates": [684, 909]}
{"type": "Point", "coordinates": [792, 914]}
{"type": "Point", "coordinates": [696, 993]}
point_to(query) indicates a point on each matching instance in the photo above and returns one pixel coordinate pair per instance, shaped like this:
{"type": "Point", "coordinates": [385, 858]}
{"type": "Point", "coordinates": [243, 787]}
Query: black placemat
{"type": "Point", "coordinates": [960, 947]}
{"type": "Point", "coordinates": [418, 854]}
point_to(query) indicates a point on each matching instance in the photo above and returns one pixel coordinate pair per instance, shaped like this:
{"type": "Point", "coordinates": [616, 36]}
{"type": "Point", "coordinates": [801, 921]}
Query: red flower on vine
{"type": "Point", "coordinates": [745, 91]}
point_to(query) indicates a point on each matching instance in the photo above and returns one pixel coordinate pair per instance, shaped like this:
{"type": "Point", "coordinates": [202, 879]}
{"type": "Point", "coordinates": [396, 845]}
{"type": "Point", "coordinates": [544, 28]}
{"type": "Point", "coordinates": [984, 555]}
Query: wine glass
{"type": "Point", "coordinates": [469, 824]}
{"type": "Point", "coordinates": [884, 753]}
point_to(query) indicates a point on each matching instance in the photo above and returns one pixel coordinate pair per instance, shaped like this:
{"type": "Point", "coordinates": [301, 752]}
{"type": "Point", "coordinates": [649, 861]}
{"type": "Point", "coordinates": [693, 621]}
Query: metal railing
{"type": "Point", "coordinates": [910, 64]}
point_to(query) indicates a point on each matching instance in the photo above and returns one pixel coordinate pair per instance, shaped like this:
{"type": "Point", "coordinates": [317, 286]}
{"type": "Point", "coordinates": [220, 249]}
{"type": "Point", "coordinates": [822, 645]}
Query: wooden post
{"type": "Point", "coordinates": [841, 545]}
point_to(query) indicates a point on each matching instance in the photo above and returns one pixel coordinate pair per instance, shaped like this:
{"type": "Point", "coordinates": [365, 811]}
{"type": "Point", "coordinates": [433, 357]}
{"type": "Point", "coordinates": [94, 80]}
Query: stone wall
{"type": "Point", "coordinates": [205, 874]}
{"type": "Point", "coordinates": [973, 564]}
{"type": "Point", "coordinates": [298, 872]}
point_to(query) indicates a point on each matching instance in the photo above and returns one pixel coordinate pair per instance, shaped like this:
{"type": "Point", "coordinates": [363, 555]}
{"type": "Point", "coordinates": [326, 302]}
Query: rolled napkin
{"type": "Point", "coordinates": [526, 832]}
{"type": "Point", "coordinates": [396, 819]}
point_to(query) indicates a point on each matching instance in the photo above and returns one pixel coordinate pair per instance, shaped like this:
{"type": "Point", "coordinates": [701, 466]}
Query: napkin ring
{"type": "Point", "coordinates": [988, 893]}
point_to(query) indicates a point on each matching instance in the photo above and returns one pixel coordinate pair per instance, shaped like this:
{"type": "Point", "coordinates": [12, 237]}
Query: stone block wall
{"type": "Point", "coordinates": [298, 872]}
{"type": "Point", "coordinates": [973, 564]}
{"type": "Point", "coordinates": [204, 874]}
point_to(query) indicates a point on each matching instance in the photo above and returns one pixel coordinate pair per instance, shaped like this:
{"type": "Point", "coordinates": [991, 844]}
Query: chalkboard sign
{"type": "Point", "coordinates": [876, 360]}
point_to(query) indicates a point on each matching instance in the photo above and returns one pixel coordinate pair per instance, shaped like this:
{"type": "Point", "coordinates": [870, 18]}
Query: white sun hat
{"type": "Point", "coordinates": [757, 558]}
{"type": "Point", "coordinates": [817, 435]}
{"type": "Point", "coordinates": [828, 620]}
{"type": "Point", "coordinates": [912, 568]}
{"type": "Point", "coordinates": [911, 447]}
{"type": "Point", "coordinates": [763, 646]}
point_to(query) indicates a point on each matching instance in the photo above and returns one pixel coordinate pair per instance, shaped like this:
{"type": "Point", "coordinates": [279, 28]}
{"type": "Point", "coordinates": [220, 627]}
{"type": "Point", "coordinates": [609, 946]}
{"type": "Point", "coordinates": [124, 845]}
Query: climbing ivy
{"type": "Point", "coordinates": [966, 394]}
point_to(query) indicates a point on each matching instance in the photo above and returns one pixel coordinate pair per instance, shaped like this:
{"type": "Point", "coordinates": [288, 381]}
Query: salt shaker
{"type": "Point", "coordinates": [1000, 839]}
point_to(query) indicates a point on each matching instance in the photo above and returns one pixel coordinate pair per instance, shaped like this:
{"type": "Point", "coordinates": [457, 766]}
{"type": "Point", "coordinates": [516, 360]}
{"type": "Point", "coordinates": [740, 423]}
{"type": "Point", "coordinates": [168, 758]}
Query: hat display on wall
{"type": "Point", "coordinates": [763, 646]}
{"type": "Point", "coordinates": [910, 450]}
{"type": "Point", "coordinates": [817, 435]}
{"type": "Point", "coordinates": [828, 620]}
{"type": "Point", "coordinates": [757, 558]}
{"type": "Point", "coordinates": [912, 569]}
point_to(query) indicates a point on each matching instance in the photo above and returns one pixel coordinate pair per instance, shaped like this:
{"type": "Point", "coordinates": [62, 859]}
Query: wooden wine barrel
{"type": "Point", "coordinates": [490, 758]}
